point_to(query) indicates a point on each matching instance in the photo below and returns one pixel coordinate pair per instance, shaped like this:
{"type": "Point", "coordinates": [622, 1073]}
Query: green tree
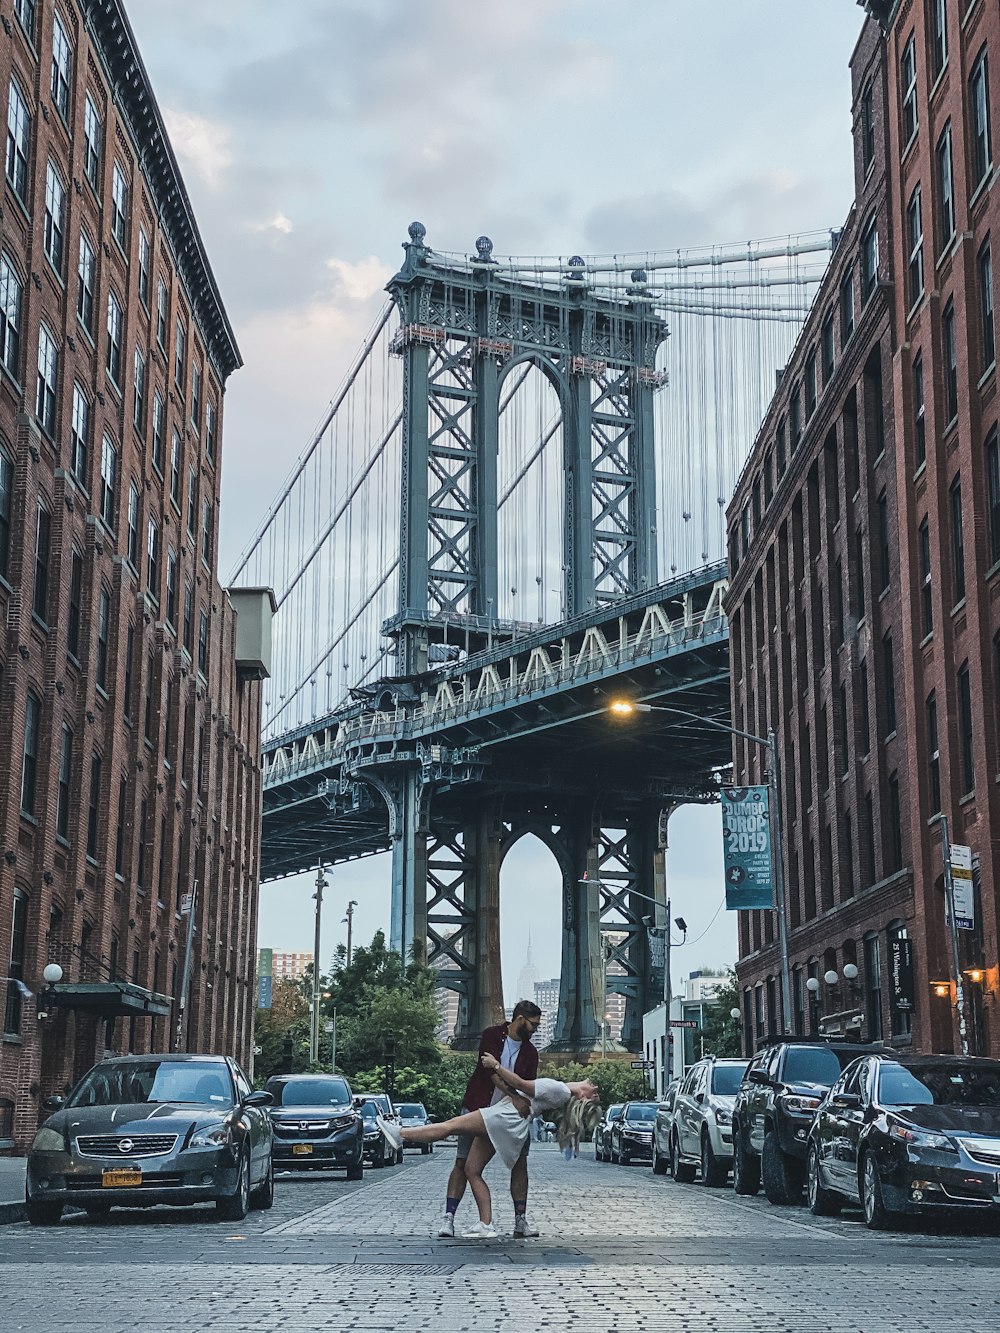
{"type": "Point", "coordinates": [720, 1031]}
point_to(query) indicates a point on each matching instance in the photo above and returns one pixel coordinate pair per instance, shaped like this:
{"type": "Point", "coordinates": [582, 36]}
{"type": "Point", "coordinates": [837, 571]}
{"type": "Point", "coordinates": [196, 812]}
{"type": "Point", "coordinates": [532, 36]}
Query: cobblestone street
{"type": "Point", "coordinates": [620, 1249]}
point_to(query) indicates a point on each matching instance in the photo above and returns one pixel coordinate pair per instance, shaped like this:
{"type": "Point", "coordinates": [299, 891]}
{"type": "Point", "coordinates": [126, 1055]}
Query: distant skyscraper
{"type": "Point", "coordinates": [547, 999]}
{"type": "Point", "coordinates": [291, 966]}
{"type": "Point", "coordinates": [527, 977]}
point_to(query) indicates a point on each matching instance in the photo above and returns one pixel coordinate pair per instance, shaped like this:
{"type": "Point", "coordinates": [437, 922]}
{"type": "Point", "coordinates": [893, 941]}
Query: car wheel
{"type": "Point", "coordinates": [660, 1164]}
{"type": "Point", "coordinates": [746, 1169]}
{"type": "Point", "coordinates": [877, 1216]}
{"type": "Point", "coordinates": [781, 1174]}
{"type": "Point", "coordinates": [263, 1195]}
{"type": "Point", "coordinates": [43, 1214]}
{"type": "Point", "coordinates": [682, 1172]}
{"type": "Point", "coordinates": [234, 1207]}
{"type": "Point", "coordinates": [822, 1202]}
{"type": "Point", "coordinates": [713, 1172]}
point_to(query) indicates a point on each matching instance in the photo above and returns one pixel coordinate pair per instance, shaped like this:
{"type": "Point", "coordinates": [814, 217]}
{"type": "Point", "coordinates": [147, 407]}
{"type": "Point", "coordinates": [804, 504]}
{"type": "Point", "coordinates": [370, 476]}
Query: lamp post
{"type": "Point", "coordinates": [626, 708]}
{"type": "Point", "coordinates": [349, 921]}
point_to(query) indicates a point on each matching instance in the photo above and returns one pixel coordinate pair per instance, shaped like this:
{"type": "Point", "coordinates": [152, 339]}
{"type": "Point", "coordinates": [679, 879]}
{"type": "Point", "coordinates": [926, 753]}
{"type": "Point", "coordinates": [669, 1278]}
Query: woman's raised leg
{"type": "Point", "coordinates": [480, 1155]}
{"type": "Point", "coordinates": [472, 1123]}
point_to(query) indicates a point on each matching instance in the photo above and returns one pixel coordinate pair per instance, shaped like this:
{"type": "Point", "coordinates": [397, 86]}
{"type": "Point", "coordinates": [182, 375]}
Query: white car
{"type": "Point", "coordinates": [702, 1131]}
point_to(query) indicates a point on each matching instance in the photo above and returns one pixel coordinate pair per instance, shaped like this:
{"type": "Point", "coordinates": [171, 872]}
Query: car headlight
{"type": "Point", "coordinates": [212, 1136]}
{"type": "Point", "coordinates": [722, 1116]}
{"type": "Point", "coordinates": [799, 1105]}
{"type": "Point", "coordinates": [921, 1139]}
{"type": "Point", "coordinates": [49, 1140]}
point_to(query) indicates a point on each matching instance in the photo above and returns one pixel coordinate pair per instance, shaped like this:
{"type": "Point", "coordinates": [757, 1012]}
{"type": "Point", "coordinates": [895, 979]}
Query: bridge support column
{"type": "Point", "coordinates": [649, 863]}
{"type": "Point", "coordinates": [481, 1005]}
{"type": "Point", "coordinates": [408, 920]}
{"type": "Point", "coordinates": [577, 1027]}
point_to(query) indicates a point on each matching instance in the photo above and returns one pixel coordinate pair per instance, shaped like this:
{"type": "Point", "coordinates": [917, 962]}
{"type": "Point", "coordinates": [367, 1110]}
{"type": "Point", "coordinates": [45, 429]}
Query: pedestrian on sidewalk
{"type": "Point", "coordinates": [510, 1044]}
{"type": "Point", "coordinates": [504, 1127]}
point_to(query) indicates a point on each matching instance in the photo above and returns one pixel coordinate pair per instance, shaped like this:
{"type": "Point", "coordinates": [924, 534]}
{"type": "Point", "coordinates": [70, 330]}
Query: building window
{"type": "Point", "coordinates": [869, 260]}
{"type": "Point", "coordinates": [846, 307]}
{"type": "Point", "coordinates": [206, 532]}
{"type": "Point", "coordinates": [48, 375]}
{"type": "Point", "coordinates": [188, 629]}
{"type": "Point", "coordinates": [859, 571]}
{"type": "Point", "coordinates": [62, 60]}
{"type": "Point", "coordinates": [827, 348]}
{"type": "Point", "coordinates": [889, 681]}
{"type": "Point", "coordinates": [885, 562]}
{"type": "Point", "coordinates": [939, 35]}
{"type": "Point", "coordinates": [109, 472]}
{"type": "Point", "coordinates": [919, 418]}
{"type": "Point", "coordinates": [127, 687]}
{"type": "Point", "coordinates": [94, 806]}
{"type": "Point", "coordinates": [147, 724]}
{"type": "Point", "coordinates": [119, 207]}
{"type": "Point", "coordinates": [979, 104]}
{"type": "Point", "coordinates": [10, 318]}
{"type": "Point", "coordinates": [210, 427]}
{"type": "Point", "coordinates": [968, 763]}
{"type": "Point", "coordinates": [103, 634]}
{"type": "Point", "coordinates": [795, 417]}
{"type": "Point", "coordinates": [847, 883]}
{"type": "Point", "coordinates": [55, 218]}
{"type": "Point", "coordinates": [950, 362]}
{"type": "Point", "coordinates": [29, 754]}
{"type": "Point", "coordinates": [895, 827]}
{"type": "Point", "coordinates": [161, 314]}
{"type": "Point", "coordinates": [768, 478]}
{"type": "Point", "coordinates": [957, 540]}
{"type": "Point", "coordinates": [180, 354]}
{"type": "Point", "coordinates": [926, 590]}
{"type": "Point", "coordinates": [171, 616]}
{"type": "Point", "coordinates": [195, 396]}
{"type": "Point", "coordinates": [908, 85]}
{"type": "Point", "coordinates": [915, 241]}
{"type": "Point", "coordinates": [993, 484]}
{"type": "Point", "coordinates": [120, 829]}
{"type": "Point", "coordinates": [133, 525]}
{"type": "Point", "coordinates": [75, 605]}
{"type": "Point", "coordinates": [984, 265]}
{"type": "Point", "coordinates": [946, 188]}
{"type": "Point", "coordinates": [175, 468]}
{"type": "Point", "coordinates": [140, 866]}
{"type": "Point", "coordinates": [873, 987]}
{"type": "Point", "coordinates": [933, 755]}
{"type": "Point", "coordinates": [139, 400]}
{"type": "Point", "coordinates": [80, 434]}
{"type": "Point", "coordinates": [203, 643]}
{"type": "Point", "coordinates": [158, 422]}
{"type": "Point", "coordinates": [93, 138]}
{"type": "Point", "coordinates": [6, 498]}
{"type": "Point", "coordinates": [18, 141]}
{"type": "Point", "coordinates": [810, 381]}
{"type": "Point", "coordinates": [87, 275]}
{"type": "Point", "coordinates": [115, 325]}
{"type": "Point", "coordinates": [144, 266]}
{"type": "Point", "coordinates": [43, 533]}
{"type": "Point", "coordinates": [153, 560]}
{"type": "Point", "coordinates": [192, 501]}
{"type": "Point", "coordinates": [15, 965]}
{"type": "Point", "coordinates": [65, 773]}
{"type": "Point", "coordinates": [25, 11]}
{"type": "Point", "coordinates": [868, 125]}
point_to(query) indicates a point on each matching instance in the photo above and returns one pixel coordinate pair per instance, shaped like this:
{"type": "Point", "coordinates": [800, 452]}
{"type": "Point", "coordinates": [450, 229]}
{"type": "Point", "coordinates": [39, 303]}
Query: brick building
{"type": "Point", "coordinates": [885, 563]}
{"type": "Point", "coordinates": [291, 966]}
{"type": "Point", "coordinates": [132, 737]}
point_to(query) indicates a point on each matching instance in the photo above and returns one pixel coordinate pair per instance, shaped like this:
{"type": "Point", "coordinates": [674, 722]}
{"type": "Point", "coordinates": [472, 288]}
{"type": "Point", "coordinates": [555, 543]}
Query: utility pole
{"type": "Point", "coordinates": [778, 870]}
{"type": "Point", "coordinates": [669, 1071]}
{"type": "Point", "coordinates": [949, 891]}
{"type": "Point", "coordinates": [349, 918]}
{"type": "Point", "coordinates": [314, 1033]}
{"type": "Point", "coordinates": [180, 1036]}
{"type": "Point", "coordinates": [333, 1045]}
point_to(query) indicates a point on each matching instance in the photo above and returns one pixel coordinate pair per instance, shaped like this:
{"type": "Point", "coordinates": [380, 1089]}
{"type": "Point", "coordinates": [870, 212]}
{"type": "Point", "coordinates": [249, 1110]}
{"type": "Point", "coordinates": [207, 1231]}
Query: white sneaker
{"type": "Point", "coordinates": [481, 1231]}
{"type": "Point", "coordinates": [391, 1132]}
{"type": "Point", "coordinates": [522, 1227]}
{"type": "Point", "coordinates": [447, 1227]}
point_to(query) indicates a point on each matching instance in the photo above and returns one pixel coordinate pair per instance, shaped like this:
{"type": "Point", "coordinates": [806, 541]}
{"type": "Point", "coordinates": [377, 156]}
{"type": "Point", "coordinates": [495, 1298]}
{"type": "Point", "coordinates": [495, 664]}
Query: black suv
{"type": "Point", "coordinates": [780, 1093]}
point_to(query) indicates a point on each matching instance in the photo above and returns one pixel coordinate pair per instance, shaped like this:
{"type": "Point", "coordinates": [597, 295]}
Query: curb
{"type": "Point", "coordinates": [12, 1212]}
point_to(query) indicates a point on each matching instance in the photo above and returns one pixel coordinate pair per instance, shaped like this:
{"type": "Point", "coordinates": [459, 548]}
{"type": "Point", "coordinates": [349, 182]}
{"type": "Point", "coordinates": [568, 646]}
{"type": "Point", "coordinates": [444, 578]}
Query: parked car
{"type": "Point", "coordinates": [412, 1115]}
{"type": "Point", "coordinates": [146, 1129]}
{"type": "Point", "coordinates": [703, 1120]}
{"type": "Point", "coordinates": [632, 1133]}
{"type": "Point", "coordinates": [663, 1127]}
{"type": "Point", "coordinates": [377, 1148]}
{"type": "Point", "coordinates": [602, 1134]}
{"type": "Point", "coordinates": [780, 1093]}
{"type": "Point", "coordinates": [316, 1124]}
{"type": "Point", "coordinates": [913, 1136]}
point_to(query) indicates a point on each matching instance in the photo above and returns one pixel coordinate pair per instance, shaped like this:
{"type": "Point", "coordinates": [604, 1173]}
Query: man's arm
{"type": "Point", "coordinates": [507, 1079]}
{"type": "Point", "coordinates": [519, 1100]}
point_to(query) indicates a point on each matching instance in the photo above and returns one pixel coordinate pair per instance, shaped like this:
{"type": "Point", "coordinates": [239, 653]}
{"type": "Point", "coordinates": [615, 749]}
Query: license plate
{"type": "Point", "coordinates": [120, 1179]}
{"type": "Point", "coordinates": [302, 1149]}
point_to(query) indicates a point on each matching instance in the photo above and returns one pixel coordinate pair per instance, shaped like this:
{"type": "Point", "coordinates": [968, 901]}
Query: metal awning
{"type": "Point", "coordinates": [107, 999]}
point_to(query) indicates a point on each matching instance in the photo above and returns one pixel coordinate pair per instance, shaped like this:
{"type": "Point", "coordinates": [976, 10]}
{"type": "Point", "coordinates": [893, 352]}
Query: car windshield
{"type": "Point", "coordinates": [310, 1092]}
{"type": "Point", "coordinates": [410, 1110]}
{"type": "Point", "coordinates": [614, 1111]}
{"type": "Point", "coordinates": [957, 1084]}
{"type": "Point", "coordinates": [726, 1079]}
{"type": "Point", "coordinates": [193, 1081]}
{"type": "Point", "coordinates": [641, 1111]}
{"type": "Point", "coordinates": [811, 1064]}
{"type": "Point", "coordinates": [368, 1110]}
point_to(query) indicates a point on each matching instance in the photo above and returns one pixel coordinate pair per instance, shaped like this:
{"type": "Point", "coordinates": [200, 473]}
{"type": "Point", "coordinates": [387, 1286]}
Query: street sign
{"type": "Point", "coordinates": [683, 1022]}
{"type": "Point", "coordinates": [963, 892]}
{"type": "Point", "coordinates": [746, 848]}
{"type": "Point", "coordinates": [185, 903]}
{"type": "Point", "coordinates": [642, 1064]}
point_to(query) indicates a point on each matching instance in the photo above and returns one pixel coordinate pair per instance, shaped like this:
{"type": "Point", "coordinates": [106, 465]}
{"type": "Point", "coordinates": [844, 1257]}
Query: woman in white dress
{"type": "Point", "coordinates": [504, 1127]}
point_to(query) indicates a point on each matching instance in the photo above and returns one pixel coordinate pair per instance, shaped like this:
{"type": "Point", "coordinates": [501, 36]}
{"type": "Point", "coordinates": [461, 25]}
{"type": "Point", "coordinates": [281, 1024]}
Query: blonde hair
{"type": "Point", "coordinates": [578, 1119]}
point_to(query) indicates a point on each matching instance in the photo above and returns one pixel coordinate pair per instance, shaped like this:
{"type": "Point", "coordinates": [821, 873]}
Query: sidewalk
{"type": "Point", "coordinates": [12, 1189]}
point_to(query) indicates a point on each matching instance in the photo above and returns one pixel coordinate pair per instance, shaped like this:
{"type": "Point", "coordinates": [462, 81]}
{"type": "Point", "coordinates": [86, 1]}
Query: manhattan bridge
{"type": "Point", "coordinates": [513, 514]}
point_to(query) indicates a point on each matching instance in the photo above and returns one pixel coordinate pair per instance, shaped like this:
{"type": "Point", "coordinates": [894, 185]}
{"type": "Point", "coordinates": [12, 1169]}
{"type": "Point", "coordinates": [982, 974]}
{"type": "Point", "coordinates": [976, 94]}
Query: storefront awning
{"type": "Point", "coordinates": [107, 999]}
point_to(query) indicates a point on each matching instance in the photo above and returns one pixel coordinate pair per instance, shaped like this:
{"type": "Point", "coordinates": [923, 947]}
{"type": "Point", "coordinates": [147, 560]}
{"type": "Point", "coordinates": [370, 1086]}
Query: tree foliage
{"type": "Point", "coordinates": [720, 1031]}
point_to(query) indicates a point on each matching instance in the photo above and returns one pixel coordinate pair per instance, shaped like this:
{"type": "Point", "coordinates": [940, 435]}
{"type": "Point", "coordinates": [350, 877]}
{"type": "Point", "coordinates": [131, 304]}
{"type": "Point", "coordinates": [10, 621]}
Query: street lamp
{"type": "Point", "coordinates": [628, 708]}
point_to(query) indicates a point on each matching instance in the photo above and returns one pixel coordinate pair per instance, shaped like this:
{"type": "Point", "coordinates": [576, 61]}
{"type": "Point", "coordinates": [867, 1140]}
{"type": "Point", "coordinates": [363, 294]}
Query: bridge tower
{"type": "Point", "coordinates": [464, 327]}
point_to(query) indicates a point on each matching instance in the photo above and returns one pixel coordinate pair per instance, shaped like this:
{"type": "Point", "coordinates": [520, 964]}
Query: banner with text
{"type": "Point", "coordinates": [746, 837]}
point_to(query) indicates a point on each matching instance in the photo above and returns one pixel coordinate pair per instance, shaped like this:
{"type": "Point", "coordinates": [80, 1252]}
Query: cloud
{"type": "Point", "coordinates": [278, 224]}
{"type": "Point", "coordinates": [201, 145]}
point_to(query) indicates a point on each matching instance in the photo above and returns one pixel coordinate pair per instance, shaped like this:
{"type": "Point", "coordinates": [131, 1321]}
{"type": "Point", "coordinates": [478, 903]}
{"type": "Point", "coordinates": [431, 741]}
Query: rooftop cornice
{"type": "Point", "coordinates": [882, 11]}
{"type": "Point", "coordinates": [112, 34]}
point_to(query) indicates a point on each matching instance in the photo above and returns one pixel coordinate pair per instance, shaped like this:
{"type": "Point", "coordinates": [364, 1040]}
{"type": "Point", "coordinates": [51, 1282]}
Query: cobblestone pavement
{"type": "Point", "coordinates": [620, 1250]}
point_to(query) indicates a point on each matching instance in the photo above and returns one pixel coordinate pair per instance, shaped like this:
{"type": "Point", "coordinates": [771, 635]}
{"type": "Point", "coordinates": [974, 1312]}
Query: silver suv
{"type": "Point", "coordinates": [703, 1121]}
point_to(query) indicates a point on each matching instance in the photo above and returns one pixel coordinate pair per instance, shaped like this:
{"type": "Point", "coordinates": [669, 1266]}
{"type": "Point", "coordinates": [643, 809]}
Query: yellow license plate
{"type": "Point", "coordinates": [302, 1149]}
{"type": "Point", "coordinates": [120, 1179]}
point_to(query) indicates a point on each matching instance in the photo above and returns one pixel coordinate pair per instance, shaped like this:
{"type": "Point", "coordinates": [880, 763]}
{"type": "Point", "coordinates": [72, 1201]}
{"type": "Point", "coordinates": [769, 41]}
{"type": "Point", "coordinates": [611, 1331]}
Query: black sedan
{"type": "Point", "coordinates": [148, 1129]}
{"type": "Point", "coordinates": [602, 1134]}
{"type": "Point", "coordinates": [316, 1124]}
{"type": "Point", "coordinates": [908, 1137]}
{"type": "Point", "coordinates": [632, 1133]}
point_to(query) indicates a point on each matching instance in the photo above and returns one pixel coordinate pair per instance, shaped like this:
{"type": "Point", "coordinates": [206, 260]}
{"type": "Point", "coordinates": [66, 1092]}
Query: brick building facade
{"type": "Point", "coordinates": [133, 741]}
{"type": "Point", "coordinates": [877, 551]}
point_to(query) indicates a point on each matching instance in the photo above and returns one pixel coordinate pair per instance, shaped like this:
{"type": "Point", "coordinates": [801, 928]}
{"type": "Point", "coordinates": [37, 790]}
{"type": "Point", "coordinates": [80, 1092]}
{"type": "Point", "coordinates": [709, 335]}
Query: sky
{"type": "Point", "coordinates": [312, 133]}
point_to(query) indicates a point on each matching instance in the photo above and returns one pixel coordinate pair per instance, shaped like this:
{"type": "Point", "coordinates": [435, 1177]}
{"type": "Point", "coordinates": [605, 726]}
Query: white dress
{"type": "Point", "coordinates": [509, 1130]}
